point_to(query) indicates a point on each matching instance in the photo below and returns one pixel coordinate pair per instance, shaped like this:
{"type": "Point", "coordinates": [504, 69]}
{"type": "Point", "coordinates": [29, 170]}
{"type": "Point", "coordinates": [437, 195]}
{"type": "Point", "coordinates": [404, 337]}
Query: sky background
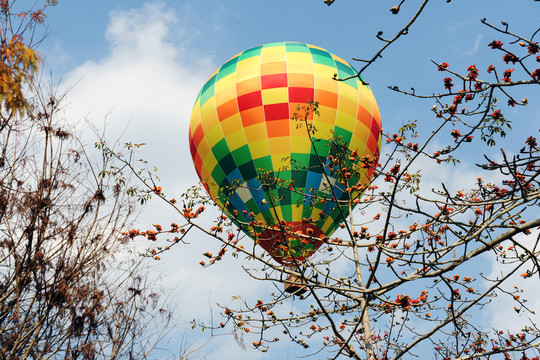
{"type": "Point", "coordinates": [134, 68]}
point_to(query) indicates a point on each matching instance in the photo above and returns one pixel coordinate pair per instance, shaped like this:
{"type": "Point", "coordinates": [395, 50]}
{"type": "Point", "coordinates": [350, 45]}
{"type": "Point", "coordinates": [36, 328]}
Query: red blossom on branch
{"type": "Point", "coordinates": [496, 115]}
{"type": "Point", "coordinates": [394, 9]}
{"type": "Point", "coordinates": [448, 83]}
{"type": "Point", "coordinates": [507, 74]}
{"type": "Point", "coordinates": [442, 66]}
{"type": "Point", "coordinates": [495, 44]}
{"type": "Point", "coordinates": [536, 75]}
{"type": "Point", "coordinates": [533, 48]}
{"type": "Point", "coordinates": [473, 72]}
{"type": "Point", "coordinates": [531, 141]}
{"type": "Point", "coordinates": [510, 58]}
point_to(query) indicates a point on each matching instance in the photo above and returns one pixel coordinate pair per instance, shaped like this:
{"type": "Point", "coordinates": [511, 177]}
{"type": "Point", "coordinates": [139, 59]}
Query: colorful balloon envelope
{"type": "Point", "coordinates": [260, 166]}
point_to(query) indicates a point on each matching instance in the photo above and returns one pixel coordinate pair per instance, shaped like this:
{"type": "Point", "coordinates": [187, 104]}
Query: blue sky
{"type": "Point", "coordinates": [213, 31]}
{"type": "Point", "coordinates": [135, 68]}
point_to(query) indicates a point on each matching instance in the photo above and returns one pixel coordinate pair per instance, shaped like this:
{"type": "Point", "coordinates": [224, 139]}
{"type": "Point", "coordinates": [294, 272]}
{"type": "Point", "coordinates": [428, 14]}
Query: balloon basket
{"type": "Point", "coordinates": [295, 285]}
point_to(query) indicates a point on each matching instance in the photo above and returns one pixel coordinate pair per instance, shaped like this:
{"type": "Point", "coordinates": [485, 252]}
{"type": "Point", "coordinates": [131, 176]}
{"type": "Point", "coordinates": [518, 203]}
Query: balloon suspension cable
{"type": "Point", "coordinates": [295, 285]}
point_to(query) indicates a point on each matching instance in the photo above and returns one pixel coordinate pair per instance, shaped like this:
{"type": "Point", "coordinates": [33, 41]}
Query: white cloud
{"type": "Point", "coordinates": [58, 56]}
{"type": "Point", "coordinates": [143, 91]}
{"type": "Point", "coordinates": [502, 307]}
{"type": "Point", "coordinates": [457, 26]}
{"type": "Point", "coordinates": [475, 47]}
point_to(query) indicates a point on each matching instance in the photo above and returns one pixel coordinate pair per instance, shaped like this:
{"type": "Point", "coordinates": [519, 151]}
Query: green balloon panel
{"type": "Point", "coordinates": [241, 126]}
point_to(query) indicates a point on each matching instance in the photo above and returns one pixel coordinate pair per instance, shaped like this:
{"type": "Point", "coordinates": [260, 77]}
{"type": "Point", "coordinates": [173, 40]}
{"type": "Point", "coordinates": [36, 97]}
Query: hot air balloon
{"type": "Point", "coordinates": [261, 167]}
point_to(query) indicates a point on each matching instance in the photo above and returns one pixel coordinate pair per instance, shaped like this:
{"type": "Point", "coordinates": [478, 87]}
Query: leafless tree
{"type": "Point", "coordinates": [68, 287]}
